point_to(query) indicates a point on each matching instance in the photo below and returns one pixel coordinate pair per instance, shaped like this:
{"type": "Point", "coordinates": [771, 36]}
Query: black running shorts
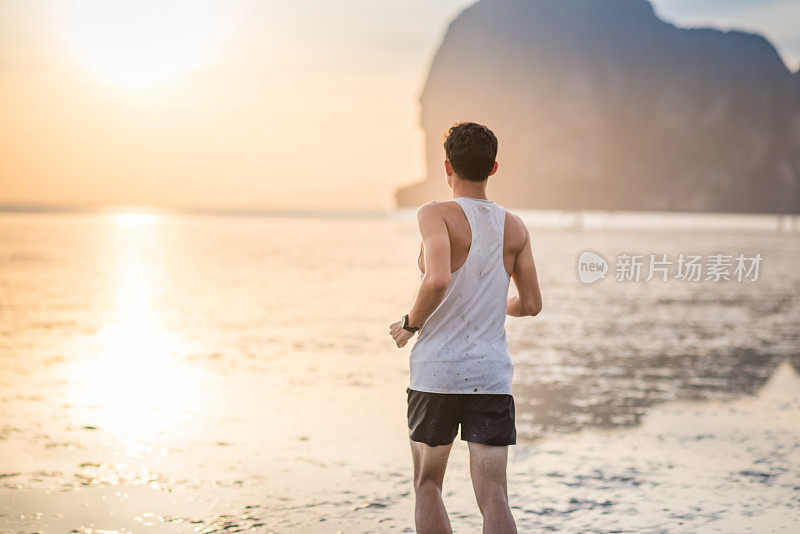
{"type": "Point", "coordinates": [487, 418]}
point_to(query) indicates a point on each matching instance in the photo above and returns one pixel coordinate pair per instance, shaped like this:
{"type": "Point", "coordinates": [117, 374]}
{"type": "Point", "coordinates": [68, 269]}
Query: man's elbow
{"type": "Point", "coordinates": [532, 308]}
{"type": "Point", "coordinates": [437, 284]}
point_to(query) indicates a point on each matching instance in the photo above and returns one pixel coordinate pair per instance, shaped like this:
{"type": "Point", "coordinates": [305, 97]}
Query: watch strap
{"type": "Point", "coordinates": [411, 329]}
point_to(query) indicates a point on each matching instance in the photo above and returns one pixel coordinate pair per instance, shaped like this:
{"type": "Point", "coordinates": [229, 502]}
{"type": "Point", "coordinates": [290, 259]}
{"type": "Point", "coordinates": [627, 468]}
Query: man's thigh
{"type": "Point", "coordinates": [487, 466]}
{"type": "Point", "coordinates": [429, 462]}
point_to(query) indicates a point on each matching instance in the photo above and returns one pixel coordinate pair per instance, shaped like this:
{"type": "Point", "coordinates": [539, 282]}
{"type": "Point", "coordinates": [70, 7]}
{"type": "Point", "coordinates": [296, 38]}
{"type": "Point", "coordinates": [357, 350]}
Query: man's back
{"type": "Point", "coordinates": [462, 346]}
{"type": "Point", "coordinates": [514, 235]}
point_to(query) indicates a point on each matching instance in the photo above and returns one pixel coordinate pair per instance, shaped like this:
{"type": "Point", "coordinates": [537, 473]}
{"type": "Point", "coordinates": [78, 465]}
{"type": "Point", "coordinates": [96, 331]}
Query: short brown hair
{"type": "Point", "coordinates": [471, 149]}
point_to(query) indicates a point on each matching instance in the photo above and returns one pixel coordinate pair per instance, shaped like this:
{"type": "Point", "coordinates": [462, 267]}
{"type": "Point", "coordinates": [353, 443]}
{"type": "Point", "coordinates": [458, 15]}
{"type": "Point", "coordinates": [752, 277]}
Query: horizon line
{"type": "Point", "coordinates": [154, 209]}
{"type": "Point", "coordinates": [21, 207]}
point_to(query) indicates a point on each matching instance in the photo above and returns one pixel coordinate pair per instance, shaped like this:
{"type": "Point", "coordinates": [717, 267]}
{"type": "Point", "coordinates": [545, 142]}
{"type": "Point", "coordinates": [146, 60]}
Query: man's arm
{"type": "Point", "coordinates": [528, 300]}
{"type": "Point", "coordinates": [436, 242]}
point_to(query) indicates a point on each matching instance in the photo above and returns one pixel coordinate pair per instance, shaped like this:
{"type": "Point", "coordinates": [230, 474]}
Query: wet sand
{"type": "Point", "coordinates": [142, 393]}
{"type": "Point", "coordinates": [731, 466]}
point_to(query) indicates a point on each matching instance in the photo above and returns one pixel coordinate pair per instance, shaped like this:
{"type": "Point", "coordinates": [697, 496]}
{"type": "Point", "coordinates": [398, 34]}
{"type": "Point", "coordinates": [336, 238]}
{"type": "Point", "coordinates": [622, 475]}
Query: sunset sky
{"type": "Point", "coordinates": [261, 104]}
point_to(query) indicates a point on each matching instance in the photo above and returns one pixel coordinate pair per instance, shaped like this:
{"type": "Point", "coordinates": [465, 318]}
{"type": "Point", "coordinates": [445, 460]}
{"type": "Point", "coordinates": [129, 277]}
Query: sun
{"type": "Point", "coordinates": [140, 43]}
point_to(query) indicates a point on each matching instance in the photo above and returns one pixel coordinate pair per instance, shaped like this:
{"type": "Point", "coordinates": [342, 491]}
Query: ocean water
{"type": "Point", "coordinates": [185, 373]}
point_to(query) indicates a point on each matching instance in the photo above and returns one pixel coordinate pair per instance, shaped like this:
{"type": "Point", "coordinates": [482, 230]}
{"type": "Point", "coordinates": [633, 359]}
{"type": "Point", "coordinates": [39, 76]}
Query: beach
{"type": "Point", "coordinates": [197, 373]}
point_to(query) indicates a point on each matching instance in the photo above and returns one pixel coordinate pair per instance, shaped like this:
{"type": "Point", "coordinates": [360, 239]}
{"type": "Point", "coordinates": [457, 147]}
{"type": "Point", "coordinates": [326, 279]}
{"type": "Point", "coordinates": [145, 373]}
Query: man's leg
{"type": "Point", "coordinates": [429, 465]}
{"type": "Point", "coordinates": [487, 466]}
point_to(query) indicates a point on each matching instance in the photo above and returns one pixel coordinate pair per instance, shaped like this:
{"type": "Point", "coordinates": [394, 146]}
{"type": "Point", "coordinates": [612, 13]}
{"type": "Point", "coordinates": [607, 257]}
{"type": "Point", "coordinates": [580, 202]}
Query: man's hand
{"type": "Point", "coordinates": [400, 334]}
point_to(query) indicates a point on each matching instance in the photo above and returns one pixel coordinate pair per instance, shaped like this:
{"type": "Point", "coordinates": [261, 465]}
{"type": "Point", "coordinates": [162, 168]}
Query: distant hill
{"type": "Point", "coordinates": [599, 104]}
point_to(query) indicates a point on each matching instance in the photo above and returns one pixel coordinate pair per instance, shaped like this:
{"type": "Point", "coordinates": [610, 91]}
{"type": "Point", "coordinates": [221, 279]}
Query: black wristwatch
{"type": "Point", "coordinates": [411, 329]}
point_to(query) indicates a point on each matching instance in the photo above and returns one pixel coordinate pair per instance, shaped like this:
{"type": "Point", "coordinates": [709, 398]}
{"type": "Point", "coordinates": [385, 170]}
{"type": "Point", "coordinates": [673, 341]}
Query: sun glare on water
{"type": "Point", "coordinates": [134, 219]}
{"type": "Point", "coordinates": [143, 43]}
{"type": "Point", "coordinates": [130, 379]}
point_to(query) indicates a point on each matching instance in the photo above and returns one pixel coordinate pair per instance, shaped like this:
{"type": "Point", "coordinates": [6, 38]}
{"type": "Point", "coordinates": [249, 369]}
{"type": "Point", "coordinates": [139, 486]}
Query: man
{"type": "Point", "coordinates": [460, 365]}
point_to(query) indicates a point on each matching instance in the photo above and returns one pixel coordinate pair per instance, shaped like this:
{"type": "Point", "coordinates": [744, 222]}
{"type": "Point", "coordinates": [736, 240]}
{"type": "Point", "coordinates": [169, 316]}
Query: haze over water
{"type": "Point", "coordinates": [183, 373]}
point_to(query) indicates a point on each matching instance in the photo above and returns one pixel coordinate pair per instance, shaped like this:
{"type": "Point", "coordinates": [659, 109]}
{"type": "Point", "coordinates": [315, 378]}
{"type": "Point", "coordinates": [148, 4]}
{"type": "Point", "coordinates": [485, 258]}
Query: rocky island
{"type": "Point", "coordinates": [600, 104]}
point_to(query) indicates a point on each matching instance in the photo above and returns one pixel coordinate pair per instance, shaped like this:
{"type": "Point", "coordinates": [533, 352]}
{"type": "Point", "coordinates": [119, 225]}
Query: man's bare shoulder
{"type": "Point", "coordinates": [437, 208]}
{"type": "Point", "coordinates": [515, 230]}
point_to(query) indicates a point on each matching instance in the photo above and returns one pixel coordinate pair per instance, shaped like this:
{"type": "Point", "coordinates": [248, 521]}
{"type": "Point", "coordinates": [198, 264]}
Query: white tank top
{"type": "Point", "coordinates": [462, 346]}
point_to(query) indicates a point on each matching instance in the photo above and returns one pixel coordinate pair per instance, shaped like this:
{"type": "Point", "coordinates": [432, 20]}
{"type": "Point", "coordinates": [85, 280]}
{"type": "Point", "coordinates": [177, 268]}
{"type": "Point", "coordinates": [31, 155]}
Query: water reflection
{"type": "Point", "coordinates": [603, 355]}
{"type": "Point", "coordinates": [130, 380]}
{"type": "Point", "coordinates": [617, 390]}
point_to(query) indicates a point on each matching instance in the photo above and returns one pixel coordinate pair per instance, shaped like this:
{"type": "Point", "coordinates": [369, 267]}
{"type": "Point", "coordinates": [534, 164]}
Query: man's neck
{"type": "Point", "coordinates": [463, 188]}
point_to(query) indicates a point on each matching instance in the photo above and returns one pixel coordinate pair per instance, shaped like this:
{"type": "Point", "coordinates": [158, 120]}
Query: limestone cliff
{"type": "Point", "coordinates": [599, 104]}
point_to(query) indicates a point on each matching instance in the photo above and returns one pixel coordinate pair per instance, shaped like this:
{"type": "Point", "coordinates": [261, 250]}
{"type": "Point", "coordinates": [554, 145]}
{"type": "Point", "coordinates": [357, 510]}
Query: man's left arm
{"type": "Point", "coordinates": [436, 242]}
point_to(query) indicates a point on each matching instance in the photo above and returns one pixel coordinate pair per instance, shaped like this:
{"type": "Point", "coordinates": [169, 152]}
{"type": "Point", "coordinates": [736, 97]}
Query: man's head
{"type": "Point", "coordinates": [470, 150]}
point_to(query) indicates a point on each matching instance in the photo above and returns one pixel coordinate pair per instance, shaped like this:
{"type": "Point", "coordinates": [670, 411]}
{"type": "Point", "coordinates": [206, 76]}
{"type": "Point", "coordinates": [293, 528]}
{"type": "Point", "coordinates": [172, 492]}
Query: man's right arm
{"type": "Point", "coordinates": [528, 300]}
